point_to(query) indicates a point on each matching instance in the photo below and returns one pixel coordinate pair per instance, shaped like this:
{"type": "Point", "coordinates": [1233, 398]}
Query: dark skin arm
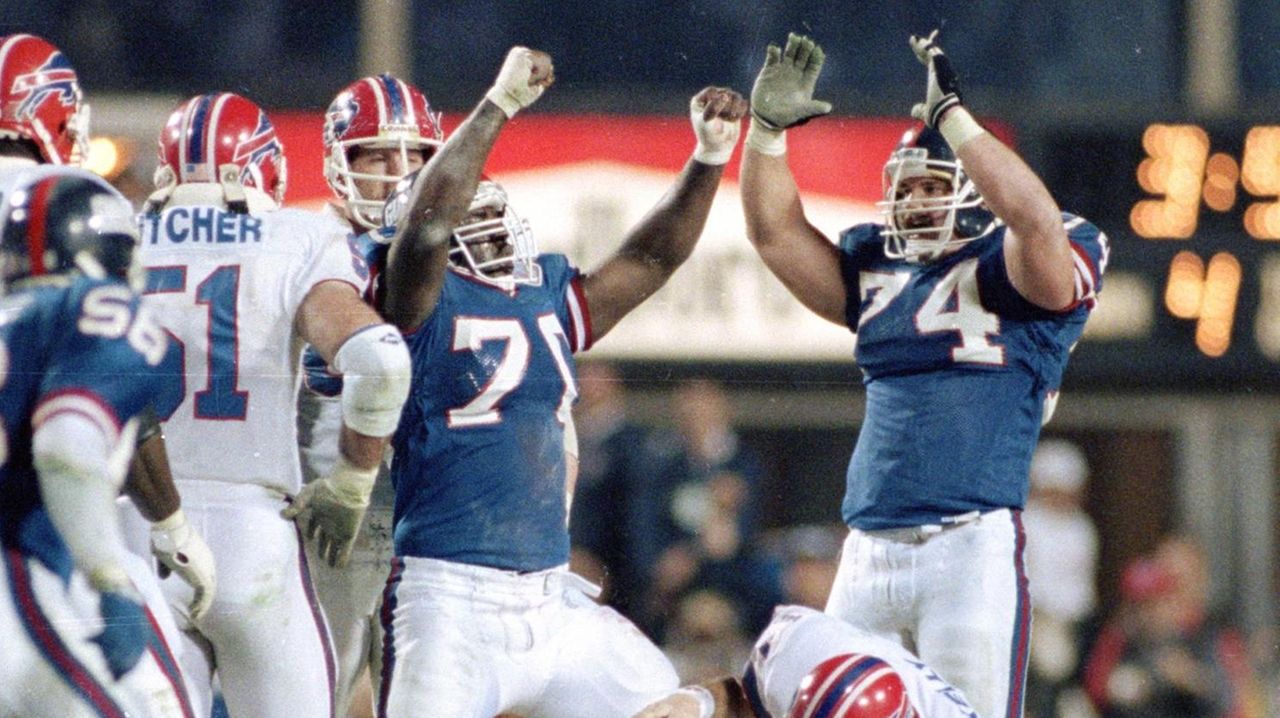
{"type": "Point", "coordinates": [149, 483]}
{"type": "Point", "coordinates": [665, 238]}
{"type": "Point", "coordinates": [441, 197]}
{"type": "Point", "coordinates": [439, 202]}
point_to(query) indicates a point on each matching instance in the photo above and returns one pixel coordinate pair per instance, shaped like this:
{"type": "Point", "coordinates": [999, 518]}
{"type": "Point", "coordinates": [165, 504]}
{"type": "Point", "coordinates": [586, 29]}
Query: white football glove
{"type": "Point", "coordinates": [515, 88]}
{"type": "Point", "coordinates": [716, 113]}
{"type": "Point", "coordinates": [329, 510]}
{"type": "Point", "coordinates": [180, 549]}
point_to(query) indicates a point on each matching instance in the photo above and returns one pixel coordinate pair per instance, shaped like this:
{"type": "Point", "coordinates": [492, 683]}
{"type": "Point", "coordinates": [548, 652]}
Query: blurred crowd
{"type": "Point", "coordinates": [668, 520]}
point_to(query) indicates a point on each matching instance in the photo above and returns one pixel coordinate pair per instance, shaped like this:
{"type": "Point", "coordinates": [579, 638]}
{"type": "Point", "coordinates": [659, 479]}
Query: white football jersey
{"type": "Point", "coordinates": [10, 168]}
{"type": "Point", "coordinates": [798, 639]}
{"type": "Point", "coordinates": [227, 287]}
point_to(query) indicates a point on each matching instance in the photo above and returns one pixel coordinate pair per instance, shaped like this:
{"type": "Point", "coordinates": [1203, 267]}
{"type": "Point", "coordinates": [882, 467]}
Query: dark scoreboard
{"type": "Point", "coordinates": [1191, 299]}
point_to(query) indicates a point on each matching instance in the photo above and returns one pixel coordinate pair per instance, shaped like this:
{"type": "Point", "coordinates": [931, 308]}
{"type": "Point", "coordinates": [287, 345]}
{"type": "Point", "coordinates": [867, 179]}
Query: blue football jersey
{"type": "Point", "coordinates": [85, 348]}
{"type": "Point", "coordinates": [957, 367]}
{"type": "Point", "coordinates": [479, 465]}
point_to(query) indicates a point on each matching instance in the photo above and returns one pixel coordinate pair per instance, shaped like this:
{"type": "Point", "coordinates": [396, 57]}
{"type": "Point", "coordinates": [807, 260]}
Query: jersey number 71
{"type": "Point", "coordinates": [471, 333]}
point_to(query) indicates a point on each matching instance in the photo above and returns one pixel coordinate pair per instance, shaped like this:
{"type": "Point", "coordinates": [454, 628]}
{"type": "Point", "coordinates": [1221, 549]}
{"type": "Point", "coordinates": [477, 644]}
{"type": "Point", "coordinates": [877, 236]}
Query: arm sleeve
{"type": "Point", "coordinates": [1090, 251]}
{"type": "Point", "coordinates": [575, 316]}
{"type": "Point", "coordinates": [854, 243]}
{"type": "Point", "coordinates": [332, 255]}
{"type": "Point", "coordinates": [79, 469]}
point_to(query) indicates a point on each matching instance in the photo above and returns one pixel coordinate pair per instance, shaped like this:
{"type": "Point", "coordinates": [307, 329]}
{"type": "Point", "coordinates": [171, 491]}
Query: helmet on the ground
{"type": "Point", "coordinates": [852, 686]}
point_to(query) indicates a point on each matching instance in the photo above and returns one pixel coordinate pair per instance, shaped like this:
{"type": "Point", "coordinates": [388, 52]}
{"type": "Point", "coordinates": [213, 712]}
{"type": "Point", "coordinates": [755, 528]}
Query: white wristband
{"type": "Point", "coordinates": [766, 141]}
{"type": "Point", "coordinates": [958, 127]}
{"type": "Point", "coordinates": [708, 156]}
{"type": "Point", "coordinates": [706, 701]}
{"type": "Point", "coordinates": [503, 99]}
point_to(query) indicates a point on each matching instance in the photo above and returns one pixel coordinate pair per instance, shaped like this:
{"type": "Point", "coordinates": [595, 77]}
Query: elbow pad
{"type": "Point", "coordinates": [375, 369]}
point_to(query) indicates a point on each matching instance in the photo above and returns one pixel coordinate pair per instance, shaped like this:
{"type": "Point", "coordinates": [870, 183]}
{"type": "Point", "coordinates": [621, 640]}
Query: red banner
{"type": "Point", "coordinates": [838, 156]}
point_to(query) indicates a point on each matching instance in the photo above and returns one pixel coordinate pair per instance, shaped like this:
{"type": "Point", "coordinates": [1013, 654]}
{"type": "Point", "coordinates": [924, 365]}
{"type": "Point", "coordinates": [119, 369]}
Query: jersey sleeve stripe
{"type": "Point", "coordinates": [579, 316]}
{"type": "Point", "coordinates": [41, 631]}
{"type": "Point", "coordinates": [84, 403]}
{"type": "Point", "coordinates": [1085, 274]}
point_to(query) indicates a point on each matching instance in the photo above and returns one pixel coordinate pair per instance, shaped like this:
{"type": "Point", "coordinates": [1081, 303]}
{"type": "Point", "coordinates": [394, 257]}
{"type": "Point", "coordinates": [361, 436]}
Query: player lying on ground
{"type": "Point", "coordinates": [807, 664]}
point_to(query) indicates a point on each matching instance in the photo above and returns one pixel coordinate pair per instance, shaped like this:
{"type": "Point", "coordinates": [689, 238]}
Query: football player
{"type": "Point", "coordinates": [241, 285]}
{"type": "Point", "coordinates": [481, 613]}
{"type": "Point", "coordinates": [80, 361]}
{"type": "Point", "coordinates": [807, 664]}
{"type": "Point", "coordinates": [44, 120]}
{"type": "Point", "coordinates": [377, 129]}
{"type": "Point", "coordinates": [966, 301]}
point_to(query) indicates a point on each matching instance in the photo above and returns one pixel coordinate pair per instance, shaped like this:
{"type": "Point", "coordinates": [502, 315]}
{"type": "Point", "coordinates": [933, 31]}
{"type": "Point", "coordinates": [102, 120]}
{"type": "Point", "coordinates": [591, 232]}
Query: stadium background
{"type": "Point", "coordinates": [1176, 401]}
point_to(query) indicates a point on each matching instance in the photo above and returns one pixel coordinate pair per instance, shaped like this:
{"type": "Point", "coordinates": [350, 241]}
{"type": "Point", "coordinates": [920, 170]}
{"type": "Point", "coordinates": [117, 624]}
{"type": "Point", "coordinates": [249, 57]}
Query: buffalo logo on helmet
{"type": "Point", "coordinates": [337, 120]}
{"type": "Point", "coordinates": [258, 147]}
{"type": "Point", "coordinates": [54, 79]}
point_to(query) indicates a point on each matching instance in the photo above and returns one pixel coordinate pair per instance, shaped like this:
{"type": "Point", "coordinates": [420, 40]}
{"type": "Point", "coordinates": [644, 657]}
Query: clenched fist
{"type": "Point", "coordinates": [524, 75]}
{"type": "Point", "coordinates": [716, 113]}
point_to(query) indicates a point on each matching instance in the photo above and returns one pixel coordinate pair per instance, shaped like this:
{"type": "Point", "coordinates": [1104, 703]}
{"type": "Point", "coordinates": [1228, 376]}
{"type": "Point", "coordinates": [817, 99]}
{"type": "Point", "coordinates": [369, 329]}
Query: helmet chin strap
{"type": "Point", "coordinates": [232, 191]}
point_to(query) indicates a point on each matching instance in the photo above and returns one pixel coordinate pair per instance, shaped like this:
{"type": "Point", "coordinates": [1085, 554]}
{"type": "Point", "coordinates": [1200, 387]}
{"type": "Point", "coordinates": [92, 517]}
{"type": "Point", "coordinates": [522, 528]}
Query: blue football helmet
{"type": "Point", "coordinates": [57, 221]}
{"type": "Point", "coordinates": [909, 232]}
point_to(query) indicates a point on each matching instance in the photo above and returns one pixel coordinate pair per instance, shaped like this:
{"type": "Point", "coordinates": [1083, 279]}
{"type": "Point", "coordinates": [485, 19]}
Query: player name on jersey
{"type": "Point", "coordinates": [197, 225]}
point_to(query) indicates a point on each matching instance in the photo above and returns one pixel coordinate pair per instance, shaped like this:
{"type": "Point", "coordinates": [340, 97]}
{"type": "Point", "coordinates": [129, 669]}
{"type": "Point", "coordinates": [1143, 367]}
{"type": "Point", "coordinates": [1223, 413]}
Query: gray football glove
{"type": "Point", "coordinates": [782, 96]}
{"type": "Point", "coordinates": [329, 510]}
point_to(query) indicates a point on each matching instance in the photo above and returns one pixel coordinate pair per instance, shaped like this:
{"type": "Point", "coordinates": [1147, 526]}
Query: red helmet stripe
{"type": "Point", "coordinates": [379, 94]}
{"type": "Point", "coordinates": [9, 43]}
{"type": "Point", "coordinates": [184, 137]}
{"type": "Point", "coordinates": [410, 113]}
{"type": "Point", "coordinates": [37, 224]}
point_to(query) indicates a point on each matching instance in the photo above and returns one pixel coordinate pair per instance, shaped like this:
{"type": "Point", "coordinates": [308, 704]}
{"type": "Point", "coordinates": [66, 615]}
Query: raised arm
{"type": "Point", "coordinates": [805, 260]}
{"type": "Point", "coordinates": [665, 238]}
{"type": "Point", "coordinates": [1036, 252]}
{"type": "Point", "coordinates": [445, 187]}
